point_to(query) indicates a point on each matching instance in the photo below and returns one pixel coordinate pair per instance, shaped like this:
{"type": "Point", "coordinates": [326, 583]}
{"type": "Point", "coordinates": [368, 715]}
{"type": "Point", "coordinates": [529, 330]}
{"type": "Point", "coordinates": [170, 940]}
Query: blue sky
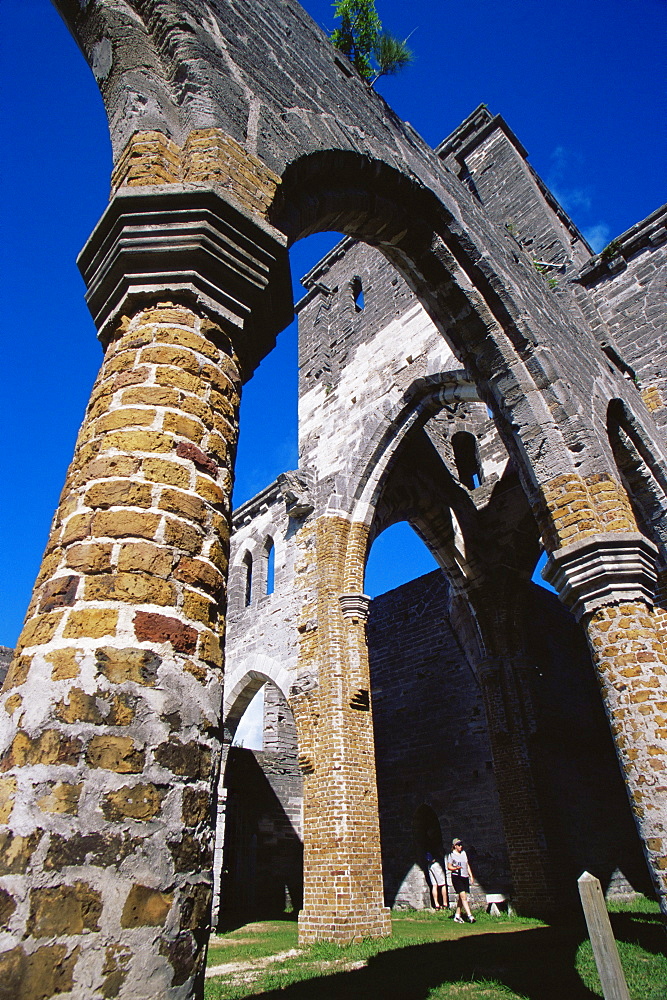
{"type": "Point", "coordinates": [580, 83]}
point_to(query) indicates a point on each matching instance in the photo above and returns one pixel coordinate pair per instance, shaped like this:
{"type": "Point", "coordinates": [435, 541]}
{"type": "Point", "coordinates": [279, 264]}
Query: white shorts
{"type": "Point", "coordinates": [437, 873]}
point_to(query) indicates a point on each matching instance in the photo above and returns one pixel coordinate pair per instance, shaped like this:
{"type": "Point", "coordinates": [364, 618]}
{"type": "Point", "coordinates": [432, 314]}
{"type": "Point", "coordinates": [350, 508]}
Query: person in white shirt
{"type": "Point", "coordinates": [462, 876]}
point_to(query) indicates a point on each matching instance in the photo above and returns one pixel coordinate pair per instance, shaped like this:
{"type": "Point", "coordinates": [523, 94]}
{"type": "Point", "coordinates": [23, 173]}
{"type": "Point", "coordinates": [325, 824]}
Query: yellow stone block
{"type": "Point", "coordinates": [182, 535]}
{"type": "Point", "coordinates": [92, 623]}
{"type": "Point", "coordinates": [151, 395]}
{"type": "Point", "coordinates": [146, 441]}
{"type": "Point", "coordinates": [63, 798]}
{"type": "Point", "coordinates": [7, 793]}
{"type": "Point", "coordinates": [177, 423]}
{"type": "Point", "coordinates": [131, 588]}
{"type": "Point", "coordinates": [125, 523]}
{"type": "Point", "coordinates": [39, 630]}
{"type": "Point", "coordinates": [115, 753]}
{"type": "Point", "coordinates": [173, 356]}
{"type": "Point", "coordinates": [198, 608]}
{"type": "Point", "coordinates": [89, 558]}
{"type": "Point", "coordinates": [118, 492]}
{"type": "Point", "coordinates": [146, 558]}
{"type": "Point", "coordinates": [125, 417]}
{"type": "Point", "coordinates": [161, 470]}
{"type": "Point", "coordinates": [177, 379]}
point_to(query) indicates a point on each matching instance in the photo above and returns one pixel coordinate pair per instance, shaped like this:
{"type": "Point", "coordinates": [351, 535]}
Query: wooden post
{"type": "Point", "coordinates": [605, 951]}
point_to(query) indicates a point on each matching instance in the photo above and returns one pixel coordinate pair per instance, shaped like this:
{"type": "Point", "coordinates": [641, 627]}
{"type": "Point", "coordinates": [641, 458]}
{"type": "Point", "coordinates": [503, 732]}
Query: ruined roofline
{"type": "Point", "coordinates": [473, 130]}
{"type": "Point", "coordinates": [249, 510]}
{"type": "Point", "coordinates": [477, 127]}
{"type": "Point", "coordinates": [650, 232]}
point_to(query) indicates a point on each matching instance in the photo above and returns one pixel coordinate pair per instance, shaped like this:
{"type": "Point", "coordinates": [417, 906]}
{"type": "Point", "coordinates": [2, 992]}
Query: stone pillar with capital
{"type": "Point", "coordinates": [342, 866]}
{"type": "Point", "coordinates": [111, 708]}
{"type": "Point", "coordinates": [608, 581]}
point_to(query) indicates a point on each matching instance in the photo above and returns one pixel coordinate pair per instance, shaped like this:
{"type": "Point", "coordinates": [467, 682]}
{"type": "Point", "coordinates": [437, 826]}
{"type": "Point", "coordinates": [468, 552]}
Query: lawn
{"type": "Point", "coordinates": [429, 957]}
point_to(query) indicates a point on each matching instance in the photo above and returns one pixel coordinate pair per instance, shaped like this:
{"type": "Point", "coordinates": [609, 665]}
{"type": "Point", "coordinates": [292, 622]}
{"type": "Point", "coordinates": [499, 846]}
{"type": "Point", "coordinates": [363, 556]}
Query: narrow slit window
{"type": "Point", "coordinates": [464, 446]}
{"type": "Point", "coordinates": [270, 566]}
{"type": "Point", "coordinates": [247, 594]}
{"type": "Point", "coordinates": [358, 294]}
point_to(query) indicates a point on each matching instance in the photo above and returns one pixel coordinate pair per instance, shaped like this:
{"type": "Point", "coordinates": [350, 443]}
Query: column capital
{"type": "Point", "coordinates": [186, 243]}
{"type": "Point", "coordinates": [601, 569]}
{"type": "Point", "coordinates": [354, 606]}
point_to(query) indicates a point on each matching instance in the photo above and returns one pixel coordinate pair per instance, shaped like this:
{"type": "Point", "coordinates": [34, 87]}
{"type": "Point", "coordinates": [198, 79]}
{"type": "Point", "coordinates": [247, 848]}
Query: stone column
{"type": "Point", "coordinates": [112, 705]}
{"type": "Point", "coordinates": [608, 581]}
{"type": "Point", "coordinates": [343, 892]}
{"type": "Point", "coordinates": [508, 705]}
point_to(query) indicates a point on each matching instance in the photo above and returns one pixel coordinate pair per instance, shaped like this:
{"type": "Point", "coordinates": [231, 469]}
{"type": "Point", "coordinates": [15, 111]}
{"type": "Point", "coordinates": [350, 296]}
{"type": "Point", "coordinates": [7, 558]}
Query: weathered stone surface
{"type": "Point", "coordinates": [7, 793]}
{"type": "Point", "coordinates": [196, 806]}
{"type": "Point", "coordinates": [59, 593]}
{"type": "Point", "coordinates": [193, 760]}
{"type": "Point", "coordinates": [17, 672]}
{"type": "Point", "coordinates": [151, 627]}
{"type": "Point", "coordinates": [103, 850]}
{"type": "Point", "coordinates": [50, 747]}
{"type": "Point", "coordinates": [67, 909]}
{"type": "Point", "coordinates": [46, 972]}
{"type": "Point", "coordinates": [7, 907]}
{"type": "Point", "coordinates": [16, 851]}
{"type": "Point", "coordinates": [115, 969]}
{"type": "Point", "coordinates": [64, 664]}
{"type": "Point", "coordinates": [182, 954]}
{"type": "Point", "coordinates": [121, 665]}
{"type": "Point", "coordinates": [63, 798]}
{"type": "Point", "coordinates": [141, 802]}
{"type": "Point", "coordinates": [146, 907]}
{"type": "Point", "coordinates": [115, 753]}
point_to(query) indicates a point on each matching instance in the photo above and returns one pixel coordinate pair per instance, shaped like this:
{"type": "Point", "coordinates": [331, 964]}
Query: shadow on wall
{"type": "Point", "coordinates": [432, 747]}
{"type": "Point", "coordinates": [263, 873]}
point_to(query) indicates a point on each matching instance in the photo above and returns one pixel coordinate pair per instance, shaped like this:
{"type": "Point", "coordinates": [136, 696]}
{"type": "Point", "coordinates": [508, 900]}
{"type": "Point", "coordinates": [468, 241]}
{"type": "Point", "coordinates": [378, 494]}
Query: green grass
{"type": "Point", "coordinates": [641, 941]}
{"type": "Point", "coordinates": [429, 957]}
{"type": "Point", "coordinates": [252, 941]}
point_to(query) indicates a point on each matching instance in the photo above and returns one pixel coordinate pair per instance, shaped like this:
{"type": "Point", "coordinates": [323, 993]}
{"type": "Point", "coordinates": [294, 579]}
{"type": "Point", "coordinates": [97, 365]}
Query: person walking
{"type": "Point", "coordinates": [462, 876]}
{"type": "Point", "coordinates": [438, 882]}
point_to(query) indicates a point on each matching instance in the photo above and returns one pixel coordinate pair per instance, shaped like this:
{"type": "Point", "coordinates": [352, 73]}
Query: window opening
{"type": "Point", "coordinates": [270, 565]}
{"type": "Point", "coordinates": [464, 446]}
{"type": "Point", "coordinates": [247, 596]}
{"type": "Point", "coordinates": [358, 294]}
{"type": "Point", "coordinates": [397, 556]}
{"type": "Point", "coordinates": [250, 730]}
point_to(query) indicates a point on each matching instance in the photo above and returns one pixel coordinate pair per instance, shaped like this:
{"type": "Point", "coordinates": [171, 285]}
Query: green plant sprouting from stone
{"type": "Point", "coordinates": [543, 268]}
{"type": "Point", "coordinates": [611, 250]}
{"type": "Point", "coordinates": [372, 51]}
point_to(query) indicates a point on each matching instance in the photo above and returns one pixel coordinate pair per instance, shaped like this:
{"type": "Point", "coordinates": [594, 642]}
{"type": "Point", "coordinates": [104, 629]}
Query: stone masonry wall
{"type": "Point", "coordinates": [432, 748]}
{"type": "Point", "coordinates": [627, 284]}
{"type": "Point", "coordinates": [431, 740]}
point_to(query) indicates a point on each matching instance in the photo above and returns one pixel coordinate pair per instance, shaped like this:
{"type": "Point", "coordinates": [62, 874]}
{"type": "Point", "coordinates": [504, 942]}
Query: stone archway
{"type": "Point", "coordinates": [120, 658]}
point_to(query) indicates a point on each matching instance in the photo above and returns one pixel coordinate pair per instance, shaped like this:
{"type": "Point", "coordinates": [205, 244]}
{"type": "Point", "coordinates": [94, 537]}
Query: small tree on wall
{"type": "Point", "coordinates": [372, 51]}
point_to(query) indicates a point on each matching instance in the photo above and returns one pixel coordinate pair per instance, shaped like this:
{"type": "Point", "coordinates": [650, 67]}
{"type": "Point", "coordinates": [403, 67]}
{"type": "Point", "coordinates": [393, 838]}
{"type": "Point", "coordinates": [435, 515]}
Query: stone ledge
{"type": "Point", "coordinates": [354, 606]}
{"type": "Point", "coordinates": [184, 243]}
{"type": "Point", "coordinates": [602, 569]}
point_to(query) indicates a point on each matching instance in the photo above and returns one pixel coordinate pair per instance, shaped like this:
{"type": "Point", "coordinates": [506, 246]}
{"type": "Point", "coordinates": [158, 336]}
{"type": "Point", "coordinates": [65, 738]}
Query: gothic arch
{"type": "Point", "coordinates": [245, 681]}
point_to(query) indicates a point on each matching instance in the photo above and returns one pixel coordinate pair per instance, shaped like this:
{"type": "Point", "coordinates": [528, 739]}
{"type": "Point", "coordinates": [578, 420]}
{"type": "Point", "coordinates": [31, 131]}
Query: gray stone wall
{"type": "Point", "coordinates": [431, 741]}
{"type": "Point", "coordinates": [263, 867]}
{"type": "Point", "coordinates": [492, 163]}
{"type": "Point", "coordinates": [367, 350]}
{"type": "Point", "coordinates": [627, 285]}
